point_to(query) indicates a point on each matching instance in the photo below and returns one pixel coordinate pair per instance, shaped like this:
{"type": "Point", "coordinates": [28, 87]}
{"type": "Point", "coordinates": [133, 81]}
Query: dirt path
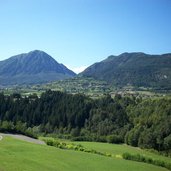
{"type": "Point", "coordinates": [23, 137]}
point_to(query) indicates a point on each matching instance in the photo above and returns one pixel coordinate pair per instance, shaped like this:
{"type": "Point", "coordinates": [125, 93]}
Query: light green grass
{"type": "Point", "coordinates": [117, 149]}
{"type": "Point", "coordinates": [17, 155]}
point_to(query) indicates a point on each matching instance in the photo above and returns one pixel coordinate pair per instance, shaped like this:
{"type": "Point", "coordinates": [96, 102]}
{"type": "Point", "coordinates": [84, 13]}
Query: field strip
{"type": "Point", "coordinates": [25, 138]}
{"type": "Point", "coordinates": [1, 137]}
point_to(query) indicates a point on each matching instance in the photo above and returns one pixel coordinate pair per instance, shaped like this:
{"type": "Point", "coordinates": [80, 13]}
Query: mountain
{"type": "Point", "coordinates": [135, 69]}
{"type": "Point", "coordinates": [33, 67]}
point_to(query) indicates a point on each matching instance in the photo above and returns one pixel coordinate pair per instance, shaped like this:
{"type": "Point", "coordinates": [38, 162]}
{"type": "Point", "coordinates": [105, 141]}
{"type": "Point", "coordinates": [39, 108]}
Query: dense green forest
{"type": "Point", "coordinates": [129, 119]}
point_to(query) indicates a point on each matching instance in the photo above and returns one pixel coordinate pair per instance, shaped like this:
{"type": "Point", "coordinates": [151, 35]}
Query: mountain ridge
{"type": "Point", "coordinates": [136, 69]}
{"type": "Point", "coordinates": [32, 67]}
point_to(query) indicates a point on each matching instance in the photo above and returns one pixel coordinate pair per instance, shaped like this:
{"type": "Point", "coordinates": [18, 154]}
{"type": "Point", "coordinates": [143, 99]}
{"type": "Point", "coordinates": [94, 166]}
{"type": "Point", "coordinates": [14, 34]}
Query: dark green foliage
{"type": "Point", "coordinates": [116, 139]}
{"type": "Point", "coordinates": [75, 132]}
{"type": "Point", "coordinates": [19, 127]}
{"type": "Point", "coordinates": [151, 120]}
{"type": "Point", "coordinates": [144, 123]}
{"type": "Point", "coordinates": [141, 158]}
{"type": "Point", "coordinates": [136, 69]}
{"type": "Point", "coordinates": [167, 142]}
{"type": "Point", "coordinates": [107, 118]}
{"type": "Point", "coordinates": [132, 136]}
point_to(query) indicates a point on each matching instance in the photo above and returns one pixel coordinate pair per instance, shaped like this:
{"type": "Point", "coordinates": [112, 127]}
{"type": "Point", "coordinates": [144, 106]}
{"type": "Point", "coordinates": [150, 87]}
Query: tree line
{"type": "Point", "coordinates": [129, 119]}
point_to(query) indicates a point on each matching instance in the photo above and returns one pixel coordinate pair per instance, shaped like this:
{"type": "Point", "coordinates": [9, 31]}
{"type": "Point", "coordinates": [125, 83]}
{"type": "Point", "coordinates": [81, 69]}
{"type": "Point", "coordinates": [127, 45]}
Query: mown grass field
{"type": "Point", "coordinates": [18, 155]}
{"type": "Point", "coordinates": [118, 150]}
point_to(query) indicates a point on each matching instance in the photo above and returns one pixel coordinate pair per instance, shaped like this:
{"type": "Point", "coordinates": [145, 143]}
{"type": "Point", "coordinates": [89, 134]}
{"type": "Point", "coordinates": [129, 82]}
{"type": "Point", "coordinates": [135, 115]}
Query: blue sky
{"type": "Point", "coordinates": [78, 33]}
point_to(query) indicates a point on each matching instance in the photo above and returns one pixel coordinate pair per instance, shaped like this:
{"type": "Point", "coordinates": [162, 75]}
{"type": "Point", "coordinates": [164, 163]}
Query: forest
{"type": "Point", "coordinates": [129, 119]}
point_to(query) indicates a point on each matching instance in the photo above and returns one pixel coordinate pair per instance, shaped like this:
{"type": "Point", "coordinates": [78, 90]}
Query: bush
{"type": "Point", "coordinates": [101, 139]}
{"type": "Point", "coordinates": [127, 156]}
{"type": "Point", "coordinates": [49, 142]}
{"type": "Point", "coordinates": [141, 158]}
{"type": "Point", "coordinates": [114, 139]}
{"type": "Point", "coordinates": [75, 132]}
{"type": "Point", "coordinates": [63, 145]}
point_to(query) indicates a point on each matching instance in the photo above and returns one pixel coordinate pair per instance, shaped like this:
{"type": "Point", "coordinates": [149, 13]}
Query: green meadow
{"type": "Point", "coordinates": [18, 155]}
{"type": "Point", "coordinates": [117, 150]}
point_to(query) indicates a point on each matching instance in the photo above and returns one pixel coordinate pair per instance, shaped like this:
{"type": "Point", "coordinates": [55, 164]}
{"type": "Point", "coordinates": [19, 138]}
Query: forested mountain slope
{"type": "Point", "coordinates": [135, 69]}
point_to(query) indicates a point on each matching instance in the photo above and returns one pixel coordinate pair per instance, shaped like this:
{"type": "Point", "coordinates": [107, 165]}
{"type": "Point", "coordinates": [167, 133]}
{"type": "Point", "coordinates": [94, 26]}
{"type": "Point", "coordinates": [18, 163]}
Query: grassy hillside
{"type": "Point", "coordinates": [117, 150]}
{"type": "Point", "coordinates": [17, 155]}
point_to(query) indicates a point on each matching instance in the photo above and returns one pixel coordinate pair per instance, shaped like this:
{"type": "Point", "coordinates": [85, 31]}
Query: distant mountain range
{"type": "Point", "coordinates": [33, 67]}
{"type": "Point", "coordinates": [127, 69]}
{"type": "Point", "coordinates": [133, 69]}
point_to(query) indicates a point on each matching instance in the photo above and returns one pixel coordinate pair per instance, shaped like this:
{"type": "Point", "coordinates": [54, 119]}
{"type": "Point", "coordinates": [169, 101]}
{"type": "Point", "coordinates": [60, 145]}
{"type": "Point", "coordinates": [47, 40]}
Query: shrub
{"type": "Point", "coordinates": [141, 158]}
{"type": "Point", "coordinates": [49, 142]}
{"type": "Point", "coordinates": [114, 139]}
{"type": "Point", "coordinates": [63, 145]}
{"type": "Point", "coordinates": [101, 139]}
{"type": "Point", "coordinates": [75, 132]}
{"type": "Point", "coordinates": [127, 156]}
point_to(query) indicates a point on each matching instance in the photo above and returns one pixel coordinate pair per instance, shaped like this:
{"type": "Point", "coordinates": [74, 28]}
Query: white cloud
{"type": "Point", "coordinates": [77, 70]}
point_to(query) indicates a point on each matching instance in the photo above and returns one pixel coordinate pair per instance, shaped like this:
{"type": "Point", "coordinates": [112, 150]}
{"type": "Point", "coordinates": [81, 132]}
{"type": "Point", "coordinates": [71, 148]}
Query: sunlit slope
{"type": "Point", "coordinates": [117, 150]}
{"type": "Point", "coordinates": [17, 155]}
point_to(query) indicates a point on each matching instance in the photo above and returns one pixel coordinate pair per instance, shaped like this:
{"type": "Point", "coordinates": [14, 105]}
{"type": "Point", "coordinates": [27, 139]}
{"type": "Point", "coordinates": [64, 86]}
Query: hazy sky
{"type": "Point", "coordinates": [78, 33]}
